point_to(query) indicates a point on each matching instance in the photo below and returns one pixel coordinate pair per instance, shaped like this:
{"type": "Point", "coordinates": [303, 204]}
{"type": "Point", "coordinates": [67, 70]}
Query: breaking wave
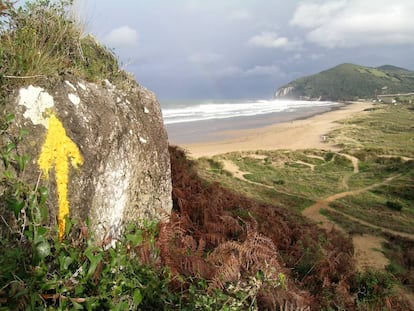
{"type": "Point", "coordinates": [208, 110]}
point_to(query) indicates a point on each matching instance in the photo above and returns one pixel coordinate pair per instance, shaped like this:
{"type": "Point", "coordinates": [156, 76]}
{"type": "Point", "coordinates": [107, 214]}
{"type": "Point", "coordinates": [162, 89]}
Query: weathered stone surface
{"type": "Point", "coordinates": [122, 171]}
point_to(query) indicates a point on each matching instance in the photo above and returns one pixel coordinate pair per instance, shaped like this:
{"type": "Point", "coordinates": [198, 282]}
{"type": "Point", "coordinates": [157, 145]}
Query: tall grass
{"type": "Point", "coordinates": [41, 39]}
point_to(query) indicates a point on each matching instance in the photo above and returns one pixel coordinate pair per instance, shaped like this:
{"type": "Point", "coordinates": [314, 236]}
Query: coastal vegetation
{"type": "Point", "coordinates": [350, 82]}
{"type": "Point", "coordinates": [231, 242]}
{"type": "Point", "coordinates": [40, 40]}
{"type": "Point", "coordinates": [363, 188]}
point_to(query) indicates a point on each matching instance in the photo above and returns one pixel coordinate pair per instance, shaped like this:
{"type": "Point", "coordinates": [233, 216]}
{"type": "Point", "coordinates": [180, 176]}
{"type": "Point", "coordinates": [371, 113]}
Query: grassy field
{"type": "Point", "coordinates": [381, 143]}
{"type": "Point", "coordinates": [373, 174]}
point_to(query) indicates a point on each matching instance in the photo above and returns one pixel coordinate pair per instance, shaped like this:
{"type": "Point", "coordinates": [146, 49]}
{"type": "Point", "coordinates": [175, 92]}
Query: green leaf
{"type": "Point", "coordinates": [39, 272]}
{"type": "Point", "coordinates": [8, 174]}
{"type": "Point", "coordinates": [121, 306]}
{"type": "Point", "coordinates": [6, 159]}
{"type": "Point", "coordinates": [42, 249]}
{"type": "Point", "coordinates": [15, 205]}
{"type": "Point", "coordinates": [95, 258]}
{"type": "Point", "coordinates": [41, 231]}
{"type": "Point", "coordinates": [137, 298]}
{"type": "Point", "coordinates": [68, 225]}
{"type": "Point", "coordinates": [76, 306]}
{"type": "Point", "coordinates": [65, 262]}
{"type": "Point", "coordinates": [44, 212]}
{"type": "Point", "coordinates": [10, 118]}
{"type": "Point", "coordinates": [32, 200]}
{"type": "Point", "coordinates": [10, 147]}
{"type": "Point", "coordinates": [22, 161]}
{"type": "Point", "coordinates": [135, 239]}
{"type": "Point", "coordinates": [22, 134]}
{"type": "Point", "coordinates": [44, 193]}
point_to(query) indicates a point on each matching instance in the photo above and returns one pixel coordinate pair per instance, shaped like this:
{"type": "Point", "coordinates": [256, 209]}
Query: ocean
{"type": "Point", "coordinates": [210, 120]}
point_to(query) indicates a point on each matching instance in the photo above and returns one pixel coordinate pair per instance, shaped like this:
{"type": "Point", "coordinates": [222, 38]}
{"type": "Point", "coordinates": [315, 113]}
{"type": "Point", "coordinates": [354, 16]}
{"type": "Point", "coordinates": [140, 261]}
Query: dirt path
{"type": "Point", "coordinates": [367, 247]}
{"type": "Point", "coordinates": [354, 160]}
{"type": "Point", "coordinates": [315, 157]}
{"type": "Point", "coordinates": [311, 166]}
{"type": "Point", "coordinates": [368, 252]}
{"type": "Point", "coordinates": [234, 170]}
{"type": "Point", "coordinates": [231, 167]}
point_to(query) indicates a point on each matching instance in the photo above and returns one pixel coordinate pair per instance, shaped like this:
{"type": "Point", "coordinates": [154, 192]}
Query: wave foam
{"type": "Point", "coordinates": [223, 110]}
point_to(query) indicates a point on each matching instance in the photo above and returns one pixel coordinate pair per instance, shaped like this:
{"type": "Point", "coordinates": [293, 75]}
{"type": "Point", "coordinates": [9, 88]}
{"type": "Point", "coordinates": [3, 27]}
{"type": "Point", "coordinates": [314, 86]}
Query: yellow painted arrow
{"type": "Point", "coordinates": [56, 151]}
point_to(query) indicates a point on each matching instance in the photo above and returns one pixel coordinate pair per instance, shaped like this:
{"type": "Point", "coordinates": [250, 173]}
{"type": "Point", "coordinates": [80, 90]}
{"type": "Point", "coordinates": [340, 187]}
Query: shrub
{"type": "Point", "coordinates": [41, 40]}
{"type": "Point", "coordinates": [394, 206]}
{"type": "Point", "coordinates": [373, 288]}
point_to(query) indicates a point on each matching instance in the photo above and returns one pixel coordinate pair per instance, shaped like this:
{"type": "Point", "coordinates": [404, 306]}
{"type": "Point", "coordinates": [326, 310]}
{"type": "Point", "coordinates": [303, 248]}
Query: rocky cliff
{"type": "Point", "coordinates": [101, 150]}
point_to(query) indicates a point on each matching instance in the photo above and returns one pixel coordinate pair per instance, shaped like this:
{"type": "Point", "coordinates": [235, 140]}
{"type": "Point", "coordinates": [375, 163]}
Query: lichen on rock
{"type": "Point", "coordinates": [116, 138]}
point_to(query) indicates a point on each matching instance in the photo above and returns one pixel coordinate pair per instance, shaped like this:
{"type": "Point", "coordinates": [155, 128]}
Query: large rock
{"type": "Point", "coordinates": [101, 150]}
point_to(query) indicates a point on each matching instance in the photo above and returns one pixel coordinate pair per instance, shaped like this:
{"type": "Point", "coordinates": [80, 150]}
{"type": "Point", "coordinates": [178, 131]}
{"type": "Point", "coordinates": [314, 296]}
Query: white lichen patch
{"type": "Point", "coordinates": [146, 110]}
{"type": "Point", "coordinates": [82, 86]}
{"type": "Point", "coordinates": [112, 196]}
{"type": "Point", "coordinates": [108, 84]}
{"type": "Point", "coordinates": [74, 99]}
{"type": "Point", "coordinates": [36, 101]}
{"type": "Point", "coordinates": [142, 140]}
{"type": "Point", "coordinates": [70, 85]}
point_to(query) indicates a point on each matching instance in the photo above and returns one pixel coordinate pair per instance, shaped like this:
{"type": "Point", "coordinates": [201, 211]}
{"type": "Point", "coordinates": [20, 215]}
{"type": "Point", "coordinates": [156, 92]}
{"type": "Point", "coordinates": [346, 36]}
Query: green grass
{"type": "Point", "coordinates": [382, 139]}
{"type": "Point", "coordinates": [388, 130]}
{"type": "Point", "coordinates": [41, 41]}
{"type": "Point", "coordinates": [376, 209]}
{"type": "Point", "coordinates": [285, 174]}
{"type": "Point", "coordinates": [211, 170]}
{"type": "Point", "coordinates": [279, 179]}
{"type": "Point", "coordinates": [350, 226]}
{"type": "Point", "coordinates": [351, 82]}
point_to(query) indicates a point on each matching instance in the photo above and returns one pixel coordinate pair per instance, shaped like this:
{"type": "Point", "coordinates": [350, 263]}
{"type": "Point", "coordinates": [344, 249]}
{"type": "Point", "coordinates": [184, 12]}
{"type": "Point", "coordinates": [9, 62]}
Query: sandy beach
{"type": "Point", "coordinates": [297, 134]}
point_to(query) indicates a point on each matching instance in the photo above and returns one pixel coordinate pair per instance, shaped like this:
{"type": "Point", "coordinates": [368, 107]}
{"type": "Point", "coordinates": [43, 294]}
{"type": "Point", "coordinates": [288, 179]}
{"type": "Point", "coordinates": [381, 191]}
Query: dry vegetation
{"type": "Point", "coordinates": [364, 189]}
{"type": "Point", "coordinates": [224, 238]}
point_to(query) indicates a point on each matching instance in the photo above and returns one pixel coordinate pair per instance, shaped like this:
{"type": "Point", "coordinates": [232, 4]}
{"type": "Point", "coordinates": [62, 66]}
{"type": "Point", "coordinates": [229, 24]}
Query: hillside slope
{"type": "Point", "coordinates": [348, 82]}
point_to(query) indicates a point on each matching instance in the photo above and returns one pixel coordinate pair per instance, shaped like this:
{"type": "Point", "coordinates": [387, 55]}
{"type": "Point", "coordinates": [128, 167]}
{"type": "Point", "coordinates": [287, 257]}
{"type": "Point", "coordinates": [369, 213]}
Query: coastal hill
{"type": "Point", "coordinates": [349, 82]}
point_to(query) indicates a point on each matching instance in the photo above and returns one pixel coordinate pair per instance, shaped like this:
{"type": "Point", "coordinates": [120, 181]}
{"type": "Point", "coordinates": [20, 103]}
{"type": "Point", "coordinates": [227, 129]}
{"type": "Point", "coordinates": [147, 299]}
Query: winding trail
{"type": "Point", "coordinates": [313, 211]}
{"type": "Point", "coordinates": [354, 161]}
{"type": "Point", "coordinates": [311, 166]}
{"type": "Point", "coordinates": [235, 170]}
{"type": "Point", "coordinates": [231, 167]}
{"type": "Point", "coordinates": [367, 247]}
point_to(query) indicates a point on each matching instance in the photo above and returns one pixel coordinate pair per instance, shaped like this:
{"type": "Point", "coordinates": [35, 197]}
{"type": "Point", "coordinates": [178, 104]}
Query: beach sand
{"type": "Point", "coordinates": [297, 134]}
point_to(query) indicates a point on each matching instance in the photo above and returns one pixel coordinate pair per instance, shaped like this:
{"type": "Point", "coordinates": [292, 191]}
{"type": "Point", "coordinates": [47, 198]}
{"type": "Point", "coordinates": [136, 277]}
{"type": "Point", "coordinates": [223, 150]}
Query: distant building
{"type": "Point", "coordinates": [392, 98]}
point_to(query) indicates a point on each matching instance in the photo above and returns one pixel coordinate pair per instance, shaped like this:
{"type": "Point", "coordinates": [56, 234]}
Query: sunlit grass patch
{"type": "Point", "coordinates": [378, 210]}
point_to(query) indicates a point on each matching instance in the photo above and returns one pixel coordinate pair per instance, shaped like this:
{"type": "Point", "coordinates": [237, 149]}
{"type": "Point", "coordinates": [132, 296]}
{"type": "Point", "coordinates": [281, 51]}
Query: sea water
{"type": "Point", "coordinates": [207, 120]}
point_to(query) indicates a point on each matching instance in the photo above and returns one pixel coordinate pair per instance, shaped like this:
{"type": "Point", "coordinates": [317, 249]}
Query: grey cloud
{"type": "Point", "coordinates": [233, 48]}
{"type": "Point", "coordinates": [354, 23]}
{"type": "Point", "coordinates": [205, 58]}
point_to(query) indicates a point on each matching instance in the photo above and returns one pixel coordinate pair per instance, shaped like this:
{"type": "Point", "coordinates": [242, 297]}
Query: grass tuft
{"type": "Point", "coordinates": [41, 40]}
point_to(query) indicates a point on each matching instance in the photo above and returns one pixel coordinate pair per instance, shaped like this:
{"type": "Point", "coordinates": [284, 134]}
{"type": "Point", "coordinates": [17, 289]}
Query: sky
{"type": "Point", "coordinates": [246, 49]}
